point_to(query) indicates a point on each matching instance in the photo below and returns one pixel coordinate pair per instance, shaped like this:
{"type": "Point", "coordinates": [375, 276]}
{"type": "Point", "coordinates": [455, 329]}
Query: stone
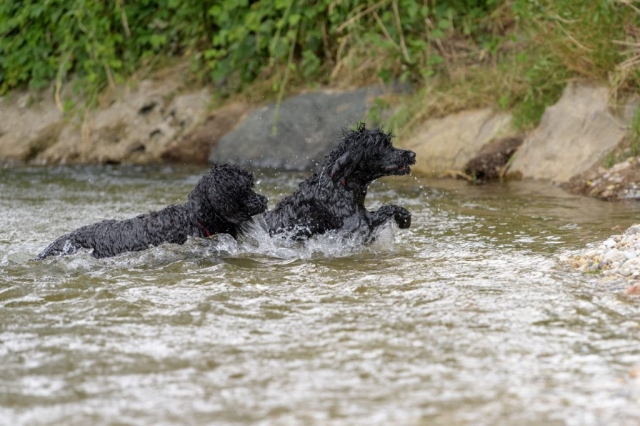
{"type": "Point", "coordinates": [574, 135]}
{"type": "Point", "coordinates": [614, 255]}
{"type": "Point", "coordinates": [194, 147]}
{"type": "Point", "coordinates": [29, 123]}
{"type": "Point", "coordinates": [136, 126]}
{"type": "Point", "coordinates": [633, 230]}
{"type": "Point", "coordinates": [620, 166]}
{"type": "Point", "coordinates": [447, 144]}
{"type": "Point", "coordinates": [492, 160]}
{"type": "Point", "coordinates": [133, 124]}
{"type": "Point", "coordinates": [633, 291]}
{"type": "Point", "coordinates": [617, 183]}
{"type": "Point", "coordinates": [633, 264]}
{"type": "Point", "coordinates": [306, 129]}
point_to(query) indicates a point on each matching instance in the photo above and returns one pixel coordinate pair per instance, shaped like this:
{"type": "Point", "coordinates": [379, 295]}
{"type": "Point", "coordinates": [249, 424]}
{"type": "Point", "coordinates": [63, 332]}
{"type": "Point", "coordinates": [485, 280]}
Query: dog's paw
{"type": "Point", "coordinates": [402, 217]}
{"type": "Point", "coordinates": [399, 215]}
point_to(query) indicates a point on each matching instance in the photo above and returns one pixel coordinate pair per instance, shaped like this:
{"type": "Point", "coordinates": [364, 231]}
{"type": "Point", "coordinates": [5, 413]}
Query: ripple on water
{"type": "Point", "coordinates": [466, 318]}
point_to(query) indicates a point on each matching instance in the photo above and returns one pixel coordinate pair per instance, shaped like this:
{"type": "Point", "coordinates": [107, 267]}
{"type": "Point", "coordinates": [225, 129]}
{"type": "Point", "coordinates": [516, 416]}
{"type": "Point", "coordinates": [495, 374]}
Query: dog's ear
{"type": "Point", "coordinates": [345, 165]}
{"type": "Point", "coordinates": [339, 167]}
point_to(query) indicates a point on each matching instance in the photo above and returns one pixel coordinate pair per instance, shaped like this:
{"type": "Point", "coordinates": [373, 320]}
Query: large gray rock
{"type": "Point", "coordinates": [573, 135]}
{"type": "Point", "coordinates": [445, 145]}
{"type": "Point", "coordinates": [306, 130]}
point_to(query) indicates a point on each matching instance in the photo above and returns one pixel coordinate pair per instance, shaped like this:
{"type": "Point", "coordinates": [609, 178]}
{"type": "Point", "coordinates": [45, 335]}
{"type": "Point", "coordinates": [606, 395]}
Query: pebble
{"type": "Point", "coordinates": [615, 258]}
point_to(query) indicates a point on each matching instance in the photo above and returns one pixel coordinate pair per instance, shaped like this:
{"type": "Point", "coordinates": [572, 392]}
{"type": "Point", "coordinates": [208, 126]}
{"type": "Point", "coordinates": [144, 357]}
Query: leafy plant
{"type": "Point", "coordinates": [233, 40]}
{"type": "Point", "coordinates": [513, 54]}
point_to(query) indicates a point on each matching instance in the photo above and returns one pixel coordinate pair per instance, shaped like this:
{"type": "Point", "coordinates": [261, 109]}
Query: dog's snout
{"type": "Point", "coordinates": [411, 156]}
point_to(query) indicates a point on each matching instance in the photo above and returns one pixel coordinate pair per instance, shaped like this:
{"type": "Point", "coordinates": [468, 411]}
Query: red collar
{"type": "Point", "coordinates": [206, 231]}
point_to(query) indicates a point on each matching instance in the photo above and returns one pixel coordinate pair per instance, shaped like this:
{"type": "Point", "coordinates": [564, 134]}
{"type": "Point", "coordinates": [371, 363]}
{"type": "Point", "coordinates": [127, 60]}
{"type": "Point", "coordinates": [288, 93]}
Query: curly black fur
{"type": "Point", "coordinates": [333, 198]}
{"type": "Point", "coordinates": [220, 203]}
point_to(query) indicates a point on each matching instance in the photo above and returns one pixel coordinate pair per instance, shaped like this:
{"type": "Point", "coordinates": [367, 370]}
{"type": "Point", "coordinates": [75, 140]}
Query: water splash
{"type": "Point", "coordinates": [328, 245]}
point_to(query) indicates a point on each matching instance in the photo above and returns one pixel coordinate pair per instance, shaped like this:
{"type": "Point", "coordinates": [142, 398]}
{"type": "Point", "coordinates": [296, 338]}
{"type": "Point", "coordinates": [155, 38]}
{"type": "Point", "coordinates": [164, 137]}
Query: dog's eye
{"type": "Point", "coordinates": [384, 147]}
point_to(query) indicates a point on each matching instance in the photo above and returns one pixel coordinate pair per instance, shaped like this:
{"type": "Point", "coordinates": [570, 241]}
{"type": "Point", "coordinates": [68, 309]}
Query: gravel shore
{"type": "Point", "coordinates": [619, 182]}
{"type": "Point", "coordinates": [617, 260]}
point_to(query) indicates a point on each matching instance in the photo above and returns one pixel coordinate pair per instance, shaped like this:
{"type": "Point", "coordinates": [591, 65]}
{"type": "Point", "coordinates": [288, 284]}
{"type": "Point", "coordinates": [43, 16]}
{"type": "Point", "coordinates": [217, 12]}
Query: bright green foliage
{"type": "Point", "coordinates": [534, 45]}
{"type": "Point", "coordinates": [99, 40]}
{"type": "Point", "coordinates": [41, 40]}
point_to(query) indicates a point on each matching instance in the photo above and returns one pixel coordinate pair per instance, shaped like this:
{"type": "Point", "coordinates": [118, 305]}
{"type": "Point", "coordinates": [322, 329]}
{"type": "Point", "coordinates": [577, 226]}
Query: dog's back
{"type": "Point", "coordinates": [112, 237]}
{"type": "Point", "coordinates": [221, 202]}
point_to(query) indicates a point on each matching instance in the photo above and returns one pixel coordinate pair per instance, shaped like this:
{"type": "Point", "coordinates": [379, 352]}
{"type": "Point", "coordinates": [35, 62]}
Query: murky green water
{"type": "Point", "coordinates": [466, 318]}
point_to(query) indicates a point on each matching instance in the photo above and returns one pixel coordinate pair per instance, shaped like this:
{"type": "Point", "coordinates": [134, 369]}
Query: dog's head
{"type": "Point", "coordinates": [226, 194]}
{"type": "Point", "coordinates": [365, 155]}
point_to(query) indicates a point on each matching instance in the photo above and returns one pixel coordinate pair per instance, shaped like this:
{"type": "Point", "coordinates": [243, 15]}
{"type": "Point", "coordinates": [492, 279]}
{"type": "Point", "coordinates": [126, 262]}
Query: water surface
{"type": "Point", "coordinates": [466, 318]}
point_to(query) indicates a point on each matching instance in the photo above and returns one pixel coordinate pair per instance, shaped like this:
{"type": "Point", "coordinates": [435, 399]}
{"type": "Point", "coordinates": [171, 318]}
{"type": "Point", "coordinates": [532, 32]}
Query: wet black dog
{"type": "Point", "coordinates": [221, 202]}
{"type": "Point", "coordinates": [333, 198]}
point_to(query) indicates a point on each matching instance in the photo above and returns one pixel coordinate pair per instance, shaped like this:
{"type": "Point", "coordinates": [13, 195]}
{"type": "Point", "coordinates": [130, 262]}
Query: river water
{"type": "Point", "coordinates": [467, 318]}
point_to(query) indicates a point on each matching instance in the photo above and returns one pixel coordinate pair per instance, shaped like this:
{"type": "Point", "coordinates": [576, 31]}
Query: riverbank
{"type": "Point", "coordinates": [583, 142]}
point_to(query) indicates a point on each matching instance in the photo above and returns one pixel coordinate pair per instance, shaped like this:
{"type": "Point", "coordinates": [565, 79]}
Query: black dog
{"type": "Point", "coordinates": [220, 203]}
{"type": "Point", "coordinates": [333, 198]}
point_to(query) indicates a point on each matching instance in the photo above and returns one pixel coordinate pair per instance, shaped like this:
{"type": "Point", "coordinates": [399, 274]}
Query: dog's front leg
{"type": "Point", "coordinates": [400, 215]}
{"type": "Point", "coordinates": [357, 223]}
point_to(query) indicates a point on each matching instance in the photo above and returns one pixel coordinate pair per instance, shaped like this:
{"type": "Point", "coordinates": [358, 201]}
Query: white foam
{"type": "Point", "coordinates": [330, 244]}
{"type": "Point", "coordinates": [256, 241]}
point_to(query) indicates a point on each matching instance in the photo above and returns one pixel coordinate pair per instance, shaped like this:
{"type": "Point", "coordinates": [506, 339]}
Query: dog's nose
{"type": "Point", "coordinates": [411, 155]}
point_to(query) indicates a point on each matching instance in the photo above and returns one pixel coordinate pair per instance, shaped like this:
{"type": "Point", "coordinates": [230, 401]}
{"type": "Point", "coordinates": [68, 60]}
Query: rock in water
{"type": "Point", "coordinates": [493, 158]}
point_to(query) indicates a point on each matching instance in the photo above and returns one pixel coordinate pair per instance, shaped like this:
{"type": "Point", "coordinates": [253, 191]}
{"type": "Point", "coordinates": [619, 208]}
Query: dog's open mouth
{"type": "Point", "coordinates": [399, 170]}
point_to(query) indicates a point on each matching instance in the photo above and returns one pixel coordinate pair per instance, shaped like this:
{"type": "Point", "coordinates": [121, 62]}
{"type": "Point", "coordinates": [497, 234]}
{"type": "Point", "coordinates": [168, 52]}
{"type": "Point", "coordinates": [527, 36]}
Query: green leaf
{"type": "Point", "coordinates": [435, 59]}
{"type": "Point", "coordinates": [294, 20]}
{"type": "Point", "coordinates": [444, 24]}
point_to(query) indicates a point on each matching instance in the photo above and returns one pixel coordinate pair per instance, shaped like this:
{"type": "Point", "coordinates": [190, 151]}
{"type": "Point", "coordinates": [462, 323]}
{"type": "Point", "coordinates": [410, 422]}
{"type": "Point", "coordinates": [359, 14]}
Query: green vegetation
{"type": "Point", "coordinates": [514, 54]}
